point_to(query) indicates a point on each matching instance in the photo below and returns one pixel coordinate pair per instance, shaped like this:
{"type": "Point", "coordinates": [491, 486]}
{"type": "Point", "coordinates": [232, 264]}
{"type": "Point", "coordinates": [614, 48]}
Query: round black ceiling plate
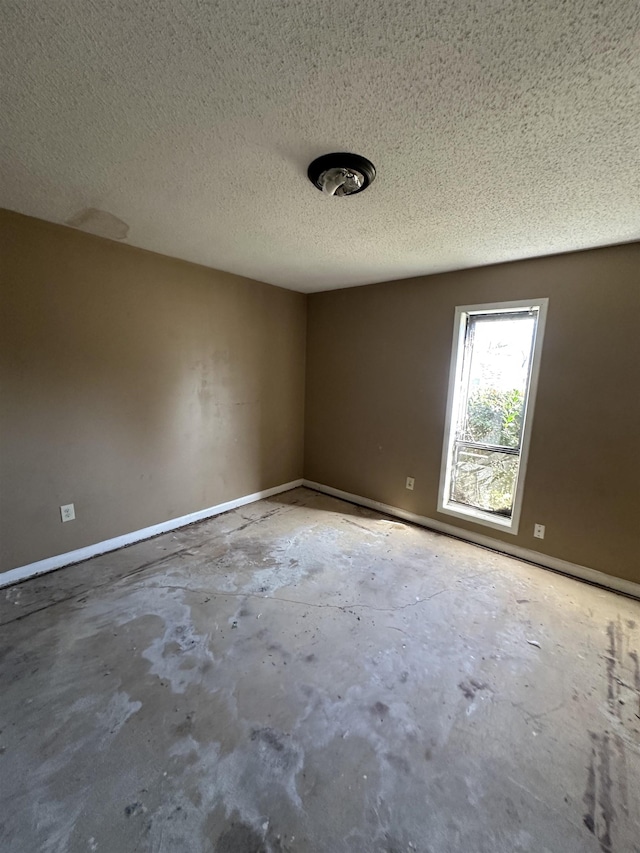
{"type": "Point", "coordinates": [342, 160]}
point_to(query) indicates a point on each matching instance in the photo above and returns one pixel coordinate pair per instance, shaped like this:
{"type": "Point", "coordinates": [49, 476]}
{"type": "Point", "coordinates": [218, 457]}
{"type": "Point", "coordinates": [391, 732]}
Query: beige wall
{"type": "Point", "coordinates": [142, 388]}
{"type": "Point", "coordinates": [138, 387]}
{"type": "Point", "coordinates": [377, 373]}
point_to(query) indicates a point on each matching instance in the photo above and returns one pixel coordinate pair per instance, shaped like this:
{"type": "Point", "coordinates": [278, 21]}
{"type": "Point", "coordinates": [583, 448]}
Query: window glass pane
{"type": "Point", "coordinates": [496, 376]}
{"type": "Point", "coordinates": [484, 479]}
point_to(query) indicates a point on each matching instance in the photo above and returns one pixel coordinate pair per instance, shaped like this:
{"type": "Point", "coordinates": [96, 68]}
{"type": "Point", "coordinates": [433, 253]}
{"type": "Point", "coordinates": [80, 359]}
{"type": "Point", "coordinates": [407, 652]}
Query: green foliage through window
{"type": "Point", "coordinates": [494, 417]}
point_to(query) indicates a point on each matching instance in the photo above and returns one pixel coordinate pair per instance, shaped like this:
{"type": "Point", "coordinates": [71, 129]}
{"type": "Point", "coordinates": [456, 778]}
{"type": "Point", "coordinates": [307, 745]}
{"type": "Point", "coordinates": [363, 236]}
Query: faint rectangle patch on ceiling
{"type": "Point", "coordinates": [101, 223]}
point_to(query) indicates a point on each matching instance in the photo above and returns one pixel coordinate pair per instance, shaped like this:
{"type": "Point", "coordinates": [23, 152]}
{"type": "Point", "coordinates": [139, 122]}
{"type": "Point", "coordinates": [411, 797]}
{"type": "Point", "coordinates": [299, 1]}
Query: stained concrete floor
{"type": "Point", "coordinates": [305, 675]}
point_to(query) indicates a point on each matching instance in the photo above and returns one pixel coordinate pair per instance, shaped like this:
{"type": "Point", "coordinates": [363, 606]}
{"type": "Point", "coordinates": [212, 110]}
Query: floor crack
{"type": "Point", "coordinates": [546, 804]}
{"type": "Point", "coordinates": [343, 607]}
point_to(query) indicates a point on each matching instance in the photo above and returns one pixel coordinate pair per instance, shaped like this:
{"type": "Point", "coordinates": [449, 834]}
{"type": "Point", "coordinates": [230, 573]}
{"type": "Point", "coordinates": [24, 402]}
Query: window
{"type": "Point", "coordinates": [492, 386]}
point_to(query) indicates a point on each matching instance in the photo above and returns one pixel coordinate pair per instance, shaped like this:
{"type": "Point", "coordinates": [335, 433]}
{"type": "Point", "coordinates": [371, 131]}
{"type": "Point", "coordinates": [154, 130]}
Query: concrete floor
{"type": "Point", "coordinates": [304, 675]}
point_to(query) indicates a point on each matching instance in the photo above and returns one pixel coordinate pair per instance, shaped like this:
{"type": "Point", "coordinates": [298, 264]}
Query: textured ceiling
{"type": "Point", "coordinates": [500, 129]}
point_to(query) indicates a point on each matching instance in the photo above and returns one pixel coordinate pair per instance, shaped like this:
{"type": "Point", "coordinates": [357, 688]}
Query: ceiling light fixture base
{"type": "Point", "coordinates": [341, 174]}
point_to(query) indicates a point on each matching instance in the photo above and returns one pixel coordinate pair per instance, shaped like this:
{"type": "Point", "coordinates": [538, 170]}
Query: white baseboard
{"type": "Point", "coordinates": [51, 563]}
{"type": "Point", "coordinates": [572, 569]}
{"type": "Point", "coordinates": [566, 568]}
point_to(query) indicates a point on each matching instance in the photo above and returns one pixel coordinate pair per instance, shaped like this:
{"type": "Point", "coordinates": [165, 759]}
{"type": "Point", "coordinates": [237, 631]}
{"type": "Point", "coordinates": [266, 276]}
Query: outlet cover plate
{"type": "Point", "coordinates": [67, 512]}
{"type": "Point", "coordinates": [538, 531]}
{"type": "Point", "coordinates": [410, 483]}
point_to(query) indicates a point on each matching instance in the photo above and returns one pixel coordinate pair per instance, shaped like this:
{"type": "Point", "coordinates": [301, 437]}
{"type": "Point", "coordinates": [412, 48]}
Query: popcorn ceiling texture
{"type": "Point", "coordinates": [500, 130]}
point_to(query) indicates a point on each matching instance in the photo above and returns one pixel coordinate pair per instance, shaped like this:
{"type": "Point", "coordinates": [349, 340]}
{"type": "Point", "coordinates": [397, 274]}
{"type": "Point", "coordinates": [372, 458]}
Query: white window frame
{"type": "Point", "coordinates": [478, 516]}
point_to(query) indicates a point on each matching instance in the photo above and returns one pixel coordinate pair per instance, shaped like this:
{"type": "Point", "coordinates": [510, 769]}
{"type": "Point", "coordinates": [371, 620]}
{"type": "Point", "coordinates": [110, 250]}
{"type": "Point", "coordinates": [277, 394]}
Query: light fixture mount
{"type": "Point", "coordinates": [341, 173]}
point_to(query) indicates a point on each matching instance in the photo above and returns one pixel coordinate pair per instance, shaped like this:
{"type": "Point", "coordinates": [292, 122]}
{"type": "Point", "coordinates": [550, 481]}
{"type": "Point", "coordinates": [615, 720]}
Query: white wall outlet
{"type": "Point", "coordinates": [410, 483]}
{"type": "Point", "coordinates": [67, 512]}
{"type": "Point", "coordinates": [538, 531]}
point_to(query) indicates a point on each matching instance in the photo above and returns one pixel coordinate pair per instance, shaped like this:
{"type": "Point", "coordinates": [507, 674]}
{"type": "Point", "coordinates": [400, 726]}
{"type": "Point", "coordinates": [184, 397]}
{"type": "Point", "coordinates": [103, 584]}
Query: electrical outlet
{"type": "Point", "coordinates": [538, 531]}
{"type": "Point", "coordinates": [410, 483]}
{"type": "Point", "coordinates": [67, 512]}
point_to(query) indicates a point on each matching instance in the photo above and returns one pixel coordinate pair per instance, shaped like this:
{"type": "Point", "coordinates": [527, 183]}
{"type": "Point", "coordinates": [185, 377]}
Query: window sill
{"type": "Point", "coordinates": [477, 516]}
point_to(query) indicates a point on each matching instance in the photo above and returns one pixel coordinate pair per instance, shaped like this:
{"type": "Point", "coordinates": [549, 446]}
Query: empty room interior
{"type": "Point", "coordinates": [319, 427]}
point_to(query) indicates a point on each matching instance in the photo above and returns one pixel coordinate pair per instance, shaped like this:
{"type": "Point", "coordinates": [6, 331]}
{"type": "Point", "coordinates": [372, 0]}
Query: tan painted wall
{"type": "Point", "coordinates": [139, 387]}
{"type": "Point", "coordinates": [377, 373]}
